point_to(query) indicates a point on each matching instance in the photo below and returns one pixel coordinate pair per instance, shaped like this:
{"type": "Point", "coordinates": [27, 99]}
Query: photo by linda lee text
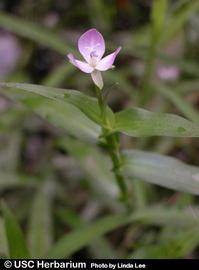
{"type": "Point", "coordinates": [118, 265]}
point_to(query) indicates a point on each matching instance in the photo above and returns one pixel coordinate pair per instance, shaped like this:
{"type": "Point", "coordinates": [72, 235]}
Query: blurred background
{"type": "Point", "coordinates": [54, 183]}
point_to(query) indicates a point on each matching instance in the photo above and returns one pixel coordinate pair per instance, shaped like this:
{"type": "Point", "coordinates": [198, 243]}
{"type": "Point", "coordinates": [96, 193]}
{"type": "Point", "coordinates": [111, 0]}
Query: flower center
{"type": "Point", "coordinates": [93, 59]}
{"type": "Point", "coordinates": [93, 55]}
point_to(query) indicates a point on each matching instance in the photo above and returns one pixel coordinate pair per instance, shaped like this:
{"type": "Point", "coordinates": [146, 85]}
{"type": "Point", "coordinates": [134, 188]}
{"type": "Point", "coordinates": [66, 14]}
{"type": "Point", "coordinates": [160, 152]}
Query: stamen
{"type": "Point", "coordinates": [93, 54]}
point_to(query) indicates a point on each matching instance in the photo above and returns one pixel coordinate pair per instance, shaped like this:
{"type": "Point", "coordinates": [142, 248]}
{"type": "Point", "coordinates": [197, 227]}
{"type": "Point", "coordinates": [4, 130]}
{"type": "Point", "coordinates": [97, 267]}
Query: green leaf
{"type": "Point", "coordinates": [34, 32]}
{"type": "Point", "coordinates": [74, 241]}
{"type": "Point", "coordinates": [64, 116]}
{"type": "Point", "coordinates": [161, 170]}
{"type": "Point", "coordinates": [140, 123]}
{"type": "Point", "coordinates": [54, 107]}
{"type": "Point", "coordinates": [40, 227]}
{"type": "Point", "coordinates": [16, 243]}
{"type": "Point", "coordinates": [88, 105]}
{"type": "Point", "coordinates": [101, 248]}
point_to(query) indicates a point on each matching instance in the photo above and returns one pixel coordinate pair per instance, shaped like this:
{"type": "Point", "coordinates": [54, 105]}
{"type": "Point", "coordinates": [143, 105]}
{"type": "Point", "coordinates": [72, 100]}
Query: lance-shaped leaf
{"type": "Point", "coordinates": [40, 226]}
{"type": "Point", "coordinates": [48, 105]}
{"type": "Point", "coordinates": [81, 237]}
{"type": "Point", "coordinates": [16, 244]}
{"type": "Point", "coordinates": [141, 123]}
{"type": "Point", "coordinates": [161, 170]}
{"type": "Point", "coordinates": [86, 104]}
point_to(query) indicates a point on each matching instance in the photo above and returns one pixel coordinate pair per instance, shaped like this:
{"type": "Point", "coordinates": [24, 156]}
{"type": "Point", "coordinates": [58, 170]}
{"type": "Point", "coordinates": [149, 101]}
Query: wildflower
{"type": "Point", "coordinates": [168, 73]}
{"type": "Point", "coordinates": [10, 52]}
{"type": "Point", "coordinates": [92, 47]}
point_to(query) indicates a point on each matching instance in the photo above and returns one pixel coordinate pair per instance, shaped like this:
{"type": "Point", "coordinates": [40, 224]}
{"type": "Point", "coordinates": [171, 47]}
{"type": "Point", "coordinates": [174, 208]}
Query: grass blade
{"type": "Point", "coordinates": [74, 241]}
{"type": "Point", "coordinates": [16, 244]}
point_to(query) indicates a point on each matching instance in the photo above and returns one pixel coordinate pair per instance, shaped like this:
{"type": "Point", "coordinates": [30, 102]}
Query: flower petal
{"type": "Point", "coordinates": [71, 58]}
{"type": "Point", "coordinates": [107, 62]}
{"type": "Point", "coordinates": [97, 78]}
{"type": "Point", "coordinates": [91, 42]}
{"type": "Point", "coordinates": [83, 66]}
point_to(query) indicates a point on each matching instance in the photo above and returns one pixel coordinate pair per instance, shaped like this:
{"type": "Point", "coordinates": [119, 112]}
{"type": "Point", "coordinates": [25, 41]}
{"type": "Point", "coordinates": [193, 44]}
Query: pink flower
{"type": "Point", "coordinates": [10, 52]}
{"type": "Point", "coordinates": [168, 73]}
{"type": "Point", "coordinates": [92, 47]}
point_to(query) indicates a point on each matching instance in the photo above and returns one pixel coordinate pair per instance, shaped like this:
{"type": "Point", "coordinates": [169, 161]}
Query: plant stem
{"type": "Point", "coordinates": [113, 147]}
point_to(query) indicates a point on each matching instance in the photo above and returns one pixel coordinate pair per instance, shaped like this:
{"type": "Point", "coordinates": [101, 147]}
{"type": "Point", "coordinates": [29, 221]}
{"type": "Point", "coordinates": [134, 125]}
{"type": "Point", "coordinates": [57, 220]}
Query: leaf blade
{"type": "Point", "coordinates": [74, 241]}
{"type": "Point", "coordinates": [16, 244]}
{"type": "Point", "coordinates": [141, 123]}
{"type": "Point", "coordinates": [49, 106]}
{"type": "Point", "coordinates": [40, 223]}
{"type": "Point", "coordinates": [86, 104]}
{"type": "Point", "coordinates": [162, 170]}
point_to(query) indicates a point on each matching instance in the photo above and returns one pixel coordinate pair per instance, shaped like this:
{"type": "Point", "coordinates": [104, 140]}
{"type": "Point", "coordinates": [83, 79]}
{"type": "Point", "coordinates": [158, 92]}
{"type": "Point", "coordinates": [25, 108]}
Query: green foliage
{"type": "Point", "coordinates": [155, 36]}
{"type": "Point", "coordinates": [101, 248]}
{"type": "Point", "coordinates": [161, 170]}
{"type": "Point", "coordinates": [179, 18]}
{"type": "Point", "coordinates": [173, 243]}
{"type": "Point", "coordinates": [84, 103]}
{"type": "Point", "coordinates": [97, 167]}
{"type": "Point", "coordinates": [40, 226]}
{"type": "Point", "coordinates": [139, 122]}
{"type": "Point", "coordinates": [16, 244]}
{"type": "Point", "coordinates": [73, 241]}
{"type": "Point", "coordinates": [134, 121]}
{"type": "Point", "coordinates": [55, 105]}
{"type": "Point", "coordinates": [59, 113]}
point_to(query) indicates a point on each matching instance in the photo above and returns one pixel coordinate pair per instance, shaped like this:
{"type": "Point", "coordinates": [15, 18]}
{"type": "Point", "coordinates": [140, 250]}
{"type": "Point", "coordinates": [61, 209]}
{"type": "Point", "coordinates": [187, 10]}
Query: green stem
{"type": "Point", "coordinates": [112, 144]}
